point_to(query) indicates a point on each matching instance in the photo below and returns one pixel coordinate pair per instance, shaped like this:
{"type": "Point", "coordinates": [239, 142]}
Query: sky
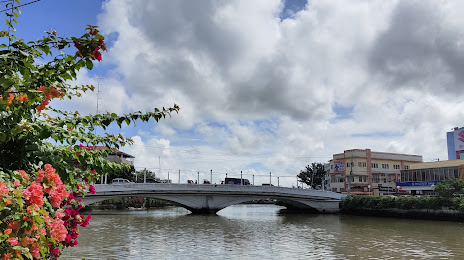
{"type": "Point", "coordinates": [269, 86]}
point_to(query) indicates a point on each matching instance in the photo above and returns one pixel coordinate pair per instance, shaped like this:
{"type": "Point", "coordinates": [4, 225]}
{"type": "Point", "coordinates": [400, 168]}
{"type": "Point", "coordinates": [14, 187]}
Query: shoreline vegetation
{"type": "Point", "coordinates": [424, 208]}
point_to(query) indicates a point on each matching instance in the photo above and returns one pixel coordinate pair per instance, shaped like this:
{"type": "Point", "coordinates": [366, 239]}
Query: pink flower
{"type": "Point", "coordinates": [59, 214]}
{"type": "Point", "coordinates": [34, 194]}
{"type": "Point", "coordinates": [85, 222]}
{"type": "Point", "coordinates": [3, 188]}
{"type": "Point", "coordinates": [97, 55]}
{"type": "Point", "coordinates": [55, 251]}
{"type": "Point", "coordinates": [57, 195]}
{"type": "Point", "coordinates": [58, 230]}
{"type": "Point", "coordinates": [13, 241]}
{"type": "Point", "coordinates": [92, 189]}
{"type": "Point", "coordinates": [35, 251]}
{"type": "Point", "coordinates": [40, 176]}
{"type": "Point", "coordinates": [17, 183]}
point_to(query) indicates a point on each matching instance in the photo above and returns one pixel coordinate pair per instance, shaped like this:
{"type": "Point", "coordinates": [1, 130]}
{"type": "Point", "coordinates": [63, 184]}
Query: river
{"type": "Point", "coordinates": [262, 232]}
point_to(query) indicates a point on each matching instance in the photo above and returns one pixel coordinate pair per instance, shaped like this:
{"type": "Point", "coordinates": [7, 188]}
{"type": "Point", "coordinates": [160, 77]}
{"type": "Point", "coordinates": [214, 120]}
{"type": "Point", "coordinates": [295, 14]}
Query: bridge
{"type": "Point", "coordinates": [210, 198]}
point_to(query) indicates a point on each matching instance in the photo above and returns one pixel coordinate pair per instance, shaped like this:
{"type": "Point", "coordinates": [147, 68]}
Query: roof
{"type": "Point", "coordinates": [113, 151]}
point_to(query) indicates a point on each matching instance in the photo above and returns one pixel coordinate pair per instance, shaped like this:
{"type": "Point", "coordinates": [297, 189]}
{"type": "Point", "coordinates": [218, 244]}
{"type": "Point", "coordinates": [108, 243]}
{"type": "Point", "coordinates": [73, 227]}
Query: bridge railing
{"type": "Point", "coordinates": [214, 188]}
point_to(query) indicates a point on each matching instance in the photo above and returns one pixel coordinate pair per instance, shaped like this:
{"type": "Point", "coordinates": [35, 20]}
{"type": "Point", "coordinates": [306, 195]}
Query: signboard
{"type": "Point", "coordinates": [339, 166]}
{"type": "Point", "coordinates": [416, 183]}
{"type": "Point", "coordinates": [389, 189]}
{"type": "Point", "coordinates": [459, 140]}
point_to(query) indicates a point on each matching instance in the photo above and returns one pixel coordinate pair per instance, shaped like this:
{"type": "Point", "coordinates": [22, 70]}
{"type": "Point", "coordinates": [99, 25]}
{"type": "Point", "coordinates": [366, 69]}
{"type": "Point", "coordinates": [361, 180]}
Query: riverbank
{"type": "Point", "coordinates": [426, 208]}
{"type": "Point", "coordinates": [129, 203]}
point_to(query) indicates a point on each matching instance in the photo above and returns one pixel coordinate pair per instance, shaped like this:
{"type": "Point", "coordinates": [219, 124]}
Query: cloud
{"type": "Point", "coordinates": [421, 48]}
{"type": "Point", "coordinates": [259, 94]}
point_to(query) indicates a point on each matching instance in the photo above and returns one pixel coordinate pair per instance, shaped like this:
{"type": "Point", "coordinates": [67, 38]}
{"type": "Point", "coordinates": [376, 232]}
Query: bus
{"type": "Point", "coordinates": [237, 181]}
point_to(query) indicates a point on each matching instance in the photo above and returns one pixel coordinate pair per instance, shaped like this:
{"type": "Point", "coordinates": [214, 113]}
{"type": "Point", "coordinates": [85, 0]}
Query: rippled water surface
{"type": "Point", "coordinates": [262, 232]}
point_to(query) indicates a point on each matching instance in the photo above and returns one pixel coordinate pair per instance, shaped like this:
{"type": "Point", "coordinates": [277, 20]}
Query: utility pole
{"type": "Point", "coordinates": [270, 180]}
{"type": "Point", "coordinates": [179, 177]}
{"type": "Point", "coordinates": [241, 178]}
{"type": "Point", "coordinates": [211, 177]}
{"type": "Point", "coordinates": [312, 177]}
{"type": "Point", "coordinates": [351, 174]}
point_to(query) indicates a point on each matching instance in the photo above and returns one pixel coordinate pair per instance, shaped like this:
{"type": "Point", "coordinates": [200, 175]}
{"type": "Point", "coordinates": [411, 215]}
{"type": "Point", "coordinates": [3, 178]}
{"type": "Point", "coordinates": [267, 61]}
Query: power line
{"type": "Point", "coordinates": [9, 9]}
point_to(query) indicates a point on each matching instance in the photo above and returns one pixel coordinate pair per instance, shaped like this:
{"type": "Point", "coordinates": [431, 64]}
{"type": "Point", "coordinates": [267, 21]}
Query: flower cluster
{"type": "Point", "coordinates": [38, 215]}
{"type": "Point", "coordinates": [49, 93]}
{"type": "Point", "coordinates": [12, 97]}
{"type": "Point", "coordinates": [90, 45]}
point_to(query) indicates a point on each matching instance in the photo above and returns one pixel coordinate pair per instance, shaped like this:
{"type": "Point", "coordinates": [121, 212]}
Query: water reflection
{"type": "Point", "coordinates": [262, 232]}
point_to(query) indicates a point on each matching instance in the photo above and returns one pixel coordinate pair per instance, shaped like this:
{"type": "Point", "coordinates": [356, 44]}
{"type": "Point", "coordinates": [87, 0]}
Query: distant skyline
{"type": "Point", "coordinates": [269, 85]}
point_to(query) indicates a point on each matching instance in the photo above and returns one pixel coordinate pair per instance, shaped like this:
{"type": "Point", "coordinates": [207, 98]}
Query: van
{"type": "Point", "coordinates": [120, 181]}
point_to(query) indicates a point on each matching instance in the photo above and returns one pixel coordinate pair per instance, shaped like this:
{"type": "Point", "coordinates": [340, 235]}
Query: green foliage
{"type": "Point", "coordinates": [149, 174]}
{"type": "Point", "coordinates": [312, 175]}
{"type": "Point", "coordinates": [32, 74]}
{"type": "Point", "coordinates": [125, 173]}
{"type": "Point", "coordinates": [450, 188]}
{"type": "Point", "coordinates": [402, 202]}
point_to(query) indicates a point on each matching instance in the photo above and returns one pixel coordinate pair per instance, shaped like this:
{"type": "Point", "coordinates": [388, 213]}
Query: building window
{"type": "Point", "coordinates": [385, 166]}
{"type": "Point", "coordinates": [359, 164]}
{"type": "Point", "coordinates": [406, 167]}
{"type": "Point", "coordinates": [374, 165]}
{"type": "Point", "coordinates": [396, 166]}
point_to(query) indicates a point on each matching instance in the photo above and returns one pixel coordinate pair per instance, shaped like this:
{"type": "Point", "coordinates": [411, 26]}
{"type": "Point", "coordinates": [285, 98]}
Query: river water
{"type": "Point", "coordinates": [262, 232]}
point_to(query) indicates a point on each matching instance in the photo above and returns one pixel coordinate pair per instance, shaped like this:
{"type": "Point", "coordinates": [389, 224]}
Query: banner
{"type": "Point", "coordinates": [339, 166]}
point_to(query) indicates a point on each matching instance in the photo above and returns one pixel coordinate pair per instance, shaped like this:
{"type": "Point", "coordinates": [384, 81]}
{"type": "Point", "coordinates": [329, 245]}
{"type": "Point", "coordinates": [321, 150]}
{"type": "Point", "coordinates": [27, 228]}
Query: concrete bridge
{"type": "Point", "coordinates": [210, 198]}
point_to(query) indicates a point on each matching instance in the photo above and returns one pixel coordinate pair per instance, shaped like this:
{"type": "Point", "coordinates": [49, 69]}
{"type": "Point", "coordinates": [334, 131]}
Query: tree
{"type": "Point", "coordinates": [47, 156]}
{"type": "Point", "coordinates": [145, 173]}
{"type": "Point", "coordinates": [312, 175]}
{"type": "Point", "coordinates": [450, 188]}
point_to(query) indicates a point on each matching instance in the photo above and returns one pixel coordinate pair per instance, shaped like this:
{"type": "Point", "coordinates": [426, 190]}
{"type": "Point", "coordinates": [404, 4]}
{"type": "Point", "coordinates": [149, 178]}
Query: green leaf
{"type": "Point", "coordinates": [89, 64]}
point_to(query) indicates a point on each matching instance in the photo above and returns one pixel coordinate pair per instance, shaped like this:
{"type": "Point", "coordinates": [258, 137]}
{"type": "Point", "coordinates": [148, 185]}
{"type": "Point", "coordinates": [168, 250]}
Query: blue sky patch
{"type": "Point", "coordinates": [291, 7]}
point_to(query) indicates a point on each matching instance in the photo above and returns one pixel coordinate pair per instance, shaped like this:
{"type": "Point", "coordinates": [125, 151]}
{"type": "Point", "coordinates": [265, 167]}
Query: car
{"type": "Point", "coordinates": [120, 181]}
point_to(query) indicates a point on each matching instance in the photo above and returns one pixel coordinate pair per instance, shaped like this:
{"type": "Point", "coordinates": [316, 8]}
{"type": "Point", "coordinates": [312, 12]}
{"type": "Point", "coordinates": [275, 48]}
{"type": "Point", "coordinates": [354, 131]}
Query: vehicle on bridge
{"type": "Point", "coordinates": [120, 181]}
{"type": "Point", "coordinates": [149, 180]}
{"type": "Point", "coordinates": [237, 181]}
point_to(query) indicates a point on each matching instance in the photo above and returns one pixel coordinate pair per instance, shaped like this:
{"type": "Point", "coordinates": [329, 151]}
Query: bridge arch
{"type": "Point", "coordinates": [209, 199]}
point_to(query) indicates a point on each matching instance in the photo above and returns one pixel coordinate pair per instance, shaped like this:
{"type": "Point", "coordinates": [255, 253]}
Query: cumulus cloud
{"type": "Point", "coordinates": [264, 88]}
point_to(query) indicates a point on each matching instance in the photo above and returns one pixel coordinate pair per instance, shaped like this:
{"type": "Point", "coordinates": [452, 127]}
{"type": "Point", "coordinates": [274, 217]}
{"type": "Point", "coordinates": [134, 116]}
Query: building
{"type": "Point", "coordinates": [455, 143]}
{"type": "Point", "coordinates": [421, 178]}
{"type": "Point", "coordinates": [361, 171]}
{"type": "Point", "coordinates": [121, 157]}
{"type": "Point", "coordinates": [118, 157]}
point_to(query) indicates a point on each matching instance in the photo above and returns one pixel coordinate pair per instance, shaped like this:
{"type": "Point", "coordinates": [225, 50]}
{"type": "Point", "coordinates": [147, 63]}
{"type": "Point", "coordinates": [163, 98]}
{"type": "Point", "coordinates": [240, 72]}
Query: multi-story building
{"type": "Point", "coordinates": [421, 178]}
{"type": "Point", "coordinates": [455, 143]}
{"type": "Point", "coordinates": [361, 171]}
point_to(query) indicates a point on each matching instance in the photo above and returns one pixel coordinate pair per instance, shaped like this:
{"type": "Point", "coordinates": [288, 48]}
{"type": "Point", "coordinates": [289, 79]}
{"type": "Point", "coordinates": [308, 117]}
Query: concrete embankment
{"type": "Point", "coordinates": [424, 214]}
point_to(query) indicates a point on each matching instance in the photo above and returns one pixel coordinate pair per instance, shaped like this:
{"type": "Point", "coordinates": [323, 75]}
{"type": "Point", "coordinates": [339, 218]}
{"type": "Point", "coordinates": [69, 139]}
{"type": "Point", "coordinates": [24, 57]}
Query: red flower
{"type": "Point", "coordinates": [92, 189]}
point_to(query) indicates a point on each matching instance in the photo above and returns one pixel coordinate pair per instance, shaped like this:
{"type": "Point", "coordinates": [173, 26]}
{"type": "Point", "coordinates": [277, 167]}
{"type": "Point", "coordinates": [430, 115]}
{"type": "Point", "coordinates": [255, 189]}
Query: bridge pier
{"type": "Point", "coordinates": [203, 211]}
